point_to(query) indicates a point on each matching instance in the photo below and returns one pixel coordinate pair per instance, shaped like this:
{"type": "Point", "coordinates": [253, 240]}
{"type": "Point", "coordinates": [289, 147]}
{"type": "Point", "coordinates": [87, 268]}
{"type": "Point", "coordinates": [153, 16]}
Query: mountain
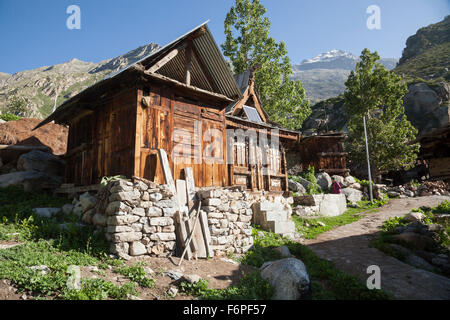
{"type": "Point", "coordinates": [426, 55]}
{"type": "Point", "coordinates": [424, 66]}
{"type": "Point", "coordinates": [324, 75]}
{"type": "Point", "coordinates": [40, 87]}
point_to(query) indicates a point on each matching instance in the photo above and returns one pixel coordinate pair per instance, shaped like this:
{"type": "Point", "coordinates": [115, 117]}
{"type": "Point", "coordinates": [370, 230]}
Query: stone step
{"type": "Point", "coordinates": [275, 216]}
{"type": "Point", "coordinates": [280, 226]}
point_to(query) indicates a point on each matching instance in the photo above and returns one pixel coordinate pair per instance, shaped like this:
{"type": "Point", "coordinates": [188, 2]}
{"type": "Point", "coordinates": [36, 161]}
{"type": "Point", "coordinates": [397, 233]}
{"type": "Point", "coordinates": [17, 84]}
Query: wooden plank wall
{"type": "Point", "coordinates": [176, 125]}
{"type": "Point", "coordinates": [108, 134]}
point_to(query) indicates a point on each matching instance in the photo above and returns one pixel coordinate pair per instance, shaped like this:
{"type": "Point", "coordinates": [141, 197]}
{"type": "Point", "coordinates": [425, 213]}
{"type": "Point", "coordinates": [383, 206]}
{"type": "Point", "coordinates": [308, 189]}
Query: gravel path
{"type": "Point", "coordinates": [348, 248]}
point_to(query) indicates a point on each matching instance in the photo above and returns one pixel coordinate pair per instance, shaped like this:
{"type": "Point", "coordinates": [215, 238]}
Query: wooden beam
{"type": "Point", "coordinates": [166, 170]}
{"type": "Point", "coordinates": [190, 186]}
{"type": "Point", "coordinates": [187, 77]}
{"type": "Point", "coordinates": [172, 54]}
{"type": "Point", "coordinates": [184, 86]}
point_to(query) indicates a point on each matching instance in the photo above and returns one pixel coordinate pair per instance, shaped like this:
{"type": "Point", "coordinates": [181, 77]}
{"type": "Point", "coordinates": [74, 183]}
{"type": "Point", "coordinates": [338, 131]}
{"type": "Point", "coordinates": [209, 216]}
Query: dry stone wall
{"type": "Point", "coordinates": [138, 218]}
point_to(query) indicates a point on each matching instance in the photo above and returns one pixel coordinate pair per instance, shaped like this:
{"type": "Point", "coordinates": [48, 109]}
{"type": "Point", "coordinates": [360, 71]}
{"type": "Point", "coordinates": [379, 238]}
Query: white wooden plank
{"type": "Point", "coordinates": [166, 170]}
{"type": "Point", "coordinates": [181, 192]}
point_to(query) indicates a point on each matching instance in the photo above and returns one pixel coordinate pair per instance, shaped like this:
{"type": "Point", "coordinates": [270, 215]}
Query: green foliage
{"type": "Point", "coordinates": [137, 274]}
{"type": "Point", "coordinates": [106, 180]}
{"type": "Point", "coordinates": [250, 47]}
{"type": "Point", "coordinates": [251, 287]}
{"type": "Point", "coordinates": [309, 175]}
{"type": "Point", "coordinates": [327, 281]}
{"type": "Point", "coordinates": [376, 93]}
{"type": "Point", "coordinates": [311, 228]}
{"type": "Point", "coordinates": [15, 265]}
{"type": "Point", "coordinates": [443, 207]}
{"type": "Point", "coordinates": [99, 289]}
{"type": "Point", "coordinates": [9, 117]}
{"type": "Point", "coordinates": [17, 106]}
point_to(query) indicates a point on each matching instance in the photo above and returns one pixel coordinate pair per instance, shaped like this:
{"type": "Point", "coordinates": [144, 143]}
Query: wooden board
{"type": "Point", "coordinates": [182, 234]}
{"type": "Point", "coordinates": [181, 192]}
{"type": "Point", "coordinates": [206, 233]}
{"type": "Point", "coordinates": [197, 238]}
{"type": "Point", "coordinates": [193, 245]}
{"type": "Point", "coordinates": [190, 186]}
{"type": "Point", "coordinates": [166, 170]}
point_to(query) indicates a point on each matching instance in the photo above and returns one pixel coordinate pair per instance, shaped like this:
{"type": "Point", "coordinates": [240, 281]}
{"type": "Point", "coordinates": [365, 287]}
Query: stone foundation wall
{"type": "Point", "coordinates": [229, 218]}
{"type": "Point", "coordinates": [137, 218]}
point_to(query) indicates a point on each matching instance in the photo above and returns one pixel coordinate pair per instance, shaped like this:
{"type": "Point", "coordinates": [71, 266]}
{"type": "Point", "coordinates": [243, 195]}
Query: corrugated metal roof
{"type": "Point", "coordinates": [208, 52]}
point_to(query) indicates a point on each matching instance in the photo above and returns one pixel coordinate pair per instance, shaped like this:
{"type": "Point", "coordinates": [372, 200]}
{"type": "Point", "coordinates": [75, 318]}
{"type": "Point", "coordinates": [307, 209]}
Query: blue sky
{"type": "Point", "coordinates": [34, 33]}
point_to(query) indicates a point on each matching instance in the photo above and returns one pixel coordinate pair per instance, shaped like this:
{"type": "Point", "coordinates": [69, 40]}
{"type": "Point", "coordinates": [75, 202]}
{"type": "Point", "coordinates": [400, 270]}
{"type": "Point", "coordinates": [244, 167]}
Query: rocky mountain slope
{"type": "Point", "coordinates": [424, 65]}
{"type": "Point", "coordinates": [324, 76]}
{"type": "Point", "coordinates": [40, 87]}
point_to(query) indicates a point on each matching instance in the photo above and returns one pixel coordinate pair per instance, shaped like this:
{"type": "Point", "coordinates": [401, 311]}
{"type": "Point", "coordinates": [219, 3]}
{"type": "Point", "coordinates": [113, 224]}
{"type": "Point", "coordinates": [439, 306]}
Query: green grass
{"type": "Point", "coordinates": [9, 117]}
{"type": "Point", "coordinates": [251, 287]}
{"type": "Point", "coordinates": [136, 274]}
{"type": "Point", "coordinates": [311, 228]}
{"type": "Point", "coordinates": [327, 281]}
{"type": "Point", "coordinates": [45, 243]}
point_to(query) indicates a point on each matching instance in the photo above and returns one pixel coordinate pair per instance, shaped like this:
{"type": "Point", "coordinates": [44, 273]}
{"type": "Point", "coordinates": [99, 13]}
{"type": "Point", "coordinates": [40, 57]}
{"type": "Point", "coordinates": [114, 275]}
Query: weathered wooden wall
{"type": "Point", "coordinates": [177, 124]}
{"type": "Point", "coordinates": [101, 143]}
{"type": "Point", "coordinates": [324, 153]}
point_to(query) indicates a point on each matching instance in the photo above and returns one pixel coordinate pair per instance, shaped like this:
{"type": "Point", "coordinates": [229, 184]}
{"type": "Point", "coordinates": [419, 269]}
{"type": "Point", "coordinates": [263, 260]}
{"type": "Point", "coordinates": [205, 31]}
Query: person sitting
{"type": "Point", "coordinates": [336, 186]}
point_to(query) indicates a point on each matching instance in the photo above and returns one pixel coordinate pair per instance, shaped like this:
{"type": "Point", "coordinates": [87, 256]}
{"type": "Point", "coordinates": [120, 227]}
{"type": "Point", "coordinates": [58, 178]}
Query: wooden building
{"type": "Point", "coordinates": [177, 99]}
{"type": "Point", "coordinates": [254, 163]}
{"type": "Point", "coordinates": [325, 152]}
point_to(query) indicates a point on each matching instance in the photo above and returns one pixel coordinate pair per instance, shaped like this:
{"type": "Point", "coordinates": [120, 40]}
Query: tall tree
{"type": "Point", "coordinates": [249, 47]}
{"type": "Point", "coordinates": [375, 92]}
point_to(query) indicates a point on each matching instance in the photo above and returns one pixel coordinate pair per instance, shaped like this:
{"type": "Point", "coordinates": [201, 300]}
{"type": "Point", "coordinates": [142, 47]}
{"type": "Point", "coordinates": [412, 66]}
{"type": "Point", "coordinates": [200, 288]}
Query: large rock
{"type": "Point", "coordinates": [137, 249]}
{"type": "Point", "coordinates": [417, 241]}
{"type": "Point", "coordinates": [333, 205]}
{"type": "Point", "coordinates": [30, 180]}
{"type": "Point", "coordinates": [309, 200]}
{"type": "Point", "coordinates": [41, 161]}
{"type": "Point", "coordinates": [352, 195]}
{"type": "Point", "coordinates": [340, 180]}
{"type": "Point", "coordinates": [324, 180]}
{"type": "Point", "coordinates": [350, 180]}
{"type": "Point", "coordinates": [296, 187]}
{"type": "Point", "coordinates": [305, 183]}
{"type": "Point", "coordinates": [289, 277]}
{"type": "Point", "coordinates": [414, 216]}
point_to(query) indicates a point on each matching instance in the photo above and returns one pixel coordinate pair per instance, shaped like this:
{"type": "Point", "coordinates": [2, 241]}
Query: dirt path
{"type": "Point", "coordinates": [348, 248]}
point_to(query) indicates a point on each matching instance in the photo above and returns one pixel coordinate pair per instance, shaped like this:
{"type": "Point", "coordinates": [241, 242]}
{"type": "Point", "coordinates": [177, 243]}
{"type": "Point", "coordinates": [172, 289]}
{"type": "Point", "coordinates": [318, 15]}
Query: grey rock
{"type": "Point", "coordinates": [87, 201]}
{"type": "Point", "coordinates": [67, 209]}
{"type": "Point", "coordinates": [350, 180]}
{"type": "Point", "coordinates": [31, 180]}
{"type": "Point", "coordinates": [192, 278]}
{"type": "Point", "coordinates": [324, 180]}
{"type": "Point", "coordinates": [284, 251]}
{"type": "Point", "coordinates": [41, 161]}
{"type": "Point", "coordinates": [289, 277]}
{"type": "Point", "coordinates": [333, 205]}
{"type": "Point", "coordinates": [296, 187]}
{"type": "Point", "coordinates": [352, 195]}
{"type": "Point", "coordinates": [174, 275]}
{"type": "Point", "coordinates": [414, 216]}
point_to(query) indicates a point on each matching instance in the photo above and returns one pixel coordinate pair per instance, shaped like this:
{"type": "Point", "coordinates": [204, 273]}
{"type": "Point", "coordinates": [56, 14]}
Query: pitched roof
{"type": "Point", "coordinates": [209, 70]}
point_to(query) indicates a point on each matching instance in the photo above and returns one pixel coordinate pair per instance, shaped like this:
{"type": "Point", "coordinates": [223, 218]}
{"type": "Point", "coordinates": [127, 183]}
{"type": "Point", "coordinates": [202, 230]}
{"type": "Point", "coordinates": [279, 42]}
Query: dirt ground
{"type": "Point", "coordinates": [21, 132]}
{"type": "Point", "coordinates": [220, 273]}
{"type": "Point", "coordinates": [348, 248]}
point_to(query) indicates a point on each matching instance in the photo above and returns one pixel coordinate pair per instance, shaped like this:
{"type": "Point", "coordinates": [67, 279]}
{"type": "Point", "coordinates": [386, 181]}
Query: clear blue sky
{"type": "Point", "coordinates": [34, 33]}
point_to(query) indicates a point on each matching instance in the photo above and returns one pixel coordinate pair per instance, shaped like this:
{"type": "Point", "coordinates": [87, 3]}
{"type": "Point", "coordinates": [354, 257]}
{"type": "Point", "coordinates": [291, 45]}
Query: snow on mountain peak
{"type": "Point", "coordinates": [330, 56]}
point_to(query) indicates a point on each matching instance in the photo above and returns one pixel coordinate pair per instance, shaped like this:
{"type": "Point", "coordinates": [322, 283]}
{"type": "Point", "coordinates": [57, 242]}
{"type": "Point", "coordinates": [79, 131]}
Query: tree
{"type": "Point", "coordinates": [375, 92]}
{"type": "Point", "coordinates": [17, 106]}
{"type": "Point", "coordinates": [249, 47]}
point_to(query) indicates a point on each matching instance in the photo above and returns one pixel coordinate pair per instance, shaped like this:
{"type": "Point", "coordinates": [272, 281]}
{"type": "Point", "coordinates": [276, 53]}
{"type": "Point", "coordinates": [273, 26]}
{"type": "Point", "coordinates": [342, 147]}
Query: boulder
{"type": "Point", "coordinates": [67, 208]}
{"type": "Point", "coordinates": [414, 216]}
{"type": "Point", "coordinates": [289, 277]}
{"type": "Point", "coordinates": [418, 241]}
{"type": "Point", "coordinates": [46, 212]}
{"type": "Point", "coordinates": [41, 161]}
{"type": "Point", "coordinates": [352, 195]}
{"type": "Point", "coordinates": [356, 186]}
{"type": "Point", "coordinates": [305, 183]}
{"type": "Point", "coordinates": [30, 180]}
{"type": "Point", "coordinates": [333, 205]}
{"type": "Point", "coordinates": [309, 200]}
{"type": "Point", "coordinates": [283, 251]}
{"type": "Point", "coordinates": [296, 187]}
{"type": "Point", "coordinates": [324, 180]}
{"type": "Point", "coordinates": [350, 180]}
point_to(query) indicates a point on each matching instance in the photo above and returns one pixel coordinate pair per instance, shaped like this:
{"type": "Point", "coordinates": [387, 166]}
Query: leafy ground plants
{"type": "Point", "coordinates": [327, 281]}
